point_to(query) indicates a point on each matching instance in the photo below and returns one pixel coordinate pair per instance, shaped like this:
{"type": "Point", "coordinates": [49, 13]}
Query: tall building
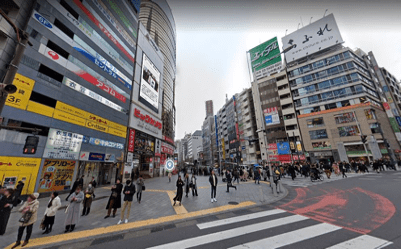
{"type": "Point", "coordinates": [209, 108]}
{"type": "Point", "coordinates": [194, 141]}
{"type": "Point", "coordinates": [158, 19]}
{"type": "Point", "coordinates": [336, 97]}
{"type": "Point", "coordinates": [209, 140]}
{"type": "Point", "coordinates": [74, 84]}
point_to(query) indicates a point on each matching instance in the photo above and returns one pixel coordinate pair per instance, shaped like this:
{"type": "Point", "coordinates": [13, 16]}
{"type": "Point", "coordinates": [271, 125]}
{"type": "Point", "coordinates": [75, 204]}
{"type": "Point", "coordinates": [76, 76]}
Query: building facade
{"type": "Point", "coordinates": [209, 108]}
{"type": "Point", "coordinates": [209, 141]}
{"type": "Point", "coordinates": [194, 142]}
{"type": "Point", "coordinates": [158, 19]}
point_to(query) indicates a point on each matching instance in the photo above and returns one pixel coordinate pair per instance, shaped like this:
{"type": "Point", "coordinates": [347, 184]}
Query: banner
{"type": "Point", "coordinates": [20, 98]}
{"type": "Point", "coordinates": [124, 19]}
{"type": "Point", "coordinates": [56, 175]}
{"type": "Point", "coordinates": [63, 145]}
{"type": "Point", "coordinates": [104, 143]}
{"type": "Point", "coordinates": [266, 58]}
{"type": "Point", "coordinates": [271, 116]}
{"type": "Point", "coordinates": [131, 140]}
{"type": "Point", "coordinates": [223, 146]}
{"type": "Point", "coordinates": [150, 82]}
{"type": "Point", "coordinates": [283, 148]}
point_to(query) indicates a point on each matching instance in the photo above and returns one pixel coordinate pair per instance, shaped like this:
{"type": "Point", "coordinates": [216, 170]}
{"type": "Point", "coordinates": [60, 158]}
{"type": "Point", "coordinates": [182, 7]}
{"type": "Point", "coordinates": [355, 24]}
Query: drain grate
{"type": "Point", "coordinates": [233, 203]}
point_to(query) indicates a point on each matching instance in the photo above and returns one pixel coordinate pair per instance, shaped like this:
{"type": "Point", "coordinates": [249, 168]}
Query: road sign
{"type": "Point", "coordinates": [169, 165]}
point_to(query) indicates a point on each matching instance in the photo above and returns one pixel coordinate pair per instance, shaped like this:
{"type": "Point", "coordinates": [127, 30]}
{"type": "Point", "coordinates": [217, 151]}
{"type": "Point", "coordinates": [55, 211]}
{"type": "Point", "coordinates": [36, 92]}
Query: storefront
{"type": "Point", "coordinates": [105, 168]}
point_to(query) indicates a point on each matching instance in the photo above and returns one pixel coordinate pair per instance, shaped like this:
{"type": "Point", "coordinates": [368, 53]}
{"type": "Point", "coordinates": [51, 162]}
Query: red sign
{"type": "Point", "coordinates": [167, 139]}
{"type": "Point", "coordinates": [131, 140]}
{"type": "Point", "coordinates": [386, 106]}
{"type": "Point", "coordinates": [274, 158]}
{"type": "Point", "coordinates": [237, 130]}
{"type": "Point", "coordinates": [147, 119]}
{"type": "Point", "coordinates": [284, 158]}
{"type": "Point", "coordinates": [167, 149]}
{"type": "Point", "coordinates": [272, 147]}
{"type": "Point", "coordinates": [301, 157]}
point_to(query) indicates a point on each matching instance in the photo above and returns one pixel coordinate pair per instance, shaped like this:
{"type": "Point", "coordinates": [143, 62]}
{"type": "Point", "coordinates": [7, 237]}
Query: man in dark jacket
{"type": "Point", "coordinates": [6, 204]}
{"type": "Point", "coordinates": [213, 184]}
{"type": "Point", "coordinates": [229, 181]}
{"type": "Point", "coordinates": [17, 193]}
{"type": "Point", "coordinates": [129, 191]}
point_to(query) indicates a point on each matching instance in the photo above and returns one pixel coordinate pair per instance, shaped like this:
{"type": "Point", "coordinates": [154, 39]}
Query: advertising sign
{"type": "Point", "coordinates": [217, 131]}
{"type": "Point", "coordinates": [394, 124]}
{"type": "Point", "coordinates": [317, 36]}
{"type": "Point", "coordinates": [143, 121]}
{"type": "Point", "coordinates": [223, 146]}
{"type": "Point", "coordinates": [20, 98]}
{"type": "Point", "coordinates": [266, 58]}
{"type": "Point", "coordinates": [56, 175]}
{"type": "Point", "coordinates": [386, 106]}
{"type": "Point", "coordinates": [104, 143]}
{"type": "Point", "coordinates": [96, 157]}
{"type": "Point", "coordinates": [131, 140]}
{"type": "Point", "coordinates": [158, 148]}
{"type": "Point", "coordinates": [167, 148]}
{"type": "Point", "coordinates": [283, 148]}
{"type": "Point", "coordinates": [398, 120]}
{"type": "Point", "coordinates": [299, 146]}
{"type": "Point", "coordinates": [150, 81]}
{"type": "Point", "coordinates": [63, 145]}
{"type": "Point", "coordinates": [271, 116]}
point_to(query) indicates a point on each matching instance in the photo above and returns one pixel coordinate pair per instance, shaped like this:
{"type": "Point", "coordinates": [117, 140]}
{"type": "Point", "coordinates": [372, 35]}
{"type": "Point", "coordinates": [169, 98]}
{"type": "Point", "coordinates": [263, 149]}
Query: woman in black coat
{"type": "Point", "coordinates": [6, 204]}
{"type": "Point", "coordinates": [115, 199]}
{"type": "Point", "coordinates": [179, 184]}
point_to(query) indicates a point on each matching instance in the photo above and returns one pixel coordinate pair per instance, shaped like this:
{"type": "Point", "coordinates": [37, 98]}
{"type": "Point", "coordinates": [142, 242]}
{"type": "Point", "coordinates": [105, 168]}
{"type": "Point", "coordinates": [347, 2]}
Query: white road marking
{"type": "Point", "coordinates": [364, 241]}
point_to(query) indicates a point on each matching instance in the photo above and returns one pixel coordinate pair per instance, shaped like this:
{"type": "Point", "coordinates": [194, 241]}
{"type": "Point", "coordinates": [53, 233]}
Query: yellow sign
{"type": "Point", "coordinates": [56, 175]}
{"type": "Point", "coordinates": [14, 169]}
{"type": "Point", "coordinates": [299, 146]}
{"type": "Point", "coordinates": [223, 146]}
{"type": "Point", "coordinates": [20, 98]}
{"type": "Point", "coordinates": [40, 109]}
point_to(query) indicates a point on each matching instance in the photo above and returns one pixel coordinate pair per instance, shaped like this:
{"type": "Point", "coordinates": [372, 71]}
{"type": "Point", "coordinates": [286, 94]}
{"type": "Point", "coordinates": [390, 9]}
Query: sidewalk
{"type": "Point", "coordinates": [155, 207]}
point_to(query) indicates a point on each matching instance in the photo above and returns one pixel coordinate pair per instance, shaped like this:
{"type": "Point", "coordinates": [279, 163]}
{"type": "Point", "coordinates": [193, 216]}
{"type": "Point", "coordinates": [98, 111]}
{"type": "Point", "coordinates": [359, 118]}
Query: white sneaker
{"type": "Point", "coordinates": [214, 199]}
{"type": "Point", "coordinates": [126, 220]}
{"type": "Point", "coordinates": [119, 222]}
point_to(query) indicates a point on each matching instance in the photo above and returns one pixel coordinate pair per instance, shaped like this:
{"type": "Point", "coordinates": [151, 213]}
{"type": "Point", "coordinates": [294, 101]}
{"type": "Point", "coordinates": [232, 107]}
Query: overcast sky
{"type": "Point", "coordinates": [213, 37]}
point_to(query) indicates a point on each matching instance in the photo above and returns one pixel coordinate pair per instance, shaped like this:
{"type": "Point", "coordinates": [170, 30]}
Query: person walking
{"type": "Point", "coordinates": [186, 181]}
{"type": "Point", "coordinates": [89, 195]}
{"type": "Point", "coordinates": [129, 191]}
{"type": "Point", "coordinates": [17, 193]}
{"type": "Point", "coordinates": [6, 204]}
{"type": "Point", "coordinates": [50, 212]}
{"type": "Point", "coordinates": [140, 184]}
{"type": "Point", "coordinates": [169, 176]}
{"type": "Point", "coordinates": [236, 176]}
{"type": "Point", "coordinates": [229, 181]}
{"type": "Point", "coordinates": [213, 184]}
{"type": "Point", "coordinates": [74, 187]}
{"type": "Point", "coordinates": [114, 199]}
{"type": "Point", "coordinates": [327, 170]}
{"type": "Point", "coordinates": [194, 186]}
{"type": "Point", "coordinates": [93, 182]}
{"type": "Point", "coordinates": [257, 176]}
{"type": "Point", "coordinates": [178, 196]}
{"type": "Point", "coordinates": [343, 169]}
{"type": "Point", "coordinates": [29, 217]}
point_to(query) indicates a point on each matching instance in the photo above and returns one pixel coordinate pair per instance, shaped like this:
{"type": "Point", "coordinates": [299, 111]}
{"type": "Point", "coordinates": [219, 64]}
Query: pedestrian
{"type": "Point", "coordinates": [213, 184]}
{"type": "Point", "coordinates": [81, 182]}
{"type": "Point", "coordinates": [72, 211]}
{"type": "Point", "coordinates": [6, 204]}
{"type": "Point", "coordinates": [129, 191]}
{"type": "Point", "coordinates": [50, 213]}
{"type": "Point", "coordinates": [29, 216]}
{"type": "Point", "coordinates": [327, 170]}
{"type": "Point", "coordinates": [114, 199]}
{"type": "Point", "coordinates": [17, 193]}
{"type": "Point", "coordinates": [93, 182]}
{"type": "Point", "coordinates": [169, 176]}
{"type": "Point", "coordinates": [89, 195]}
{"type": "Point", "coordinates": [194, 186]}
{"type": "Point", "coordinates": [291, 170]}
{"type": "Point", "coordinates": [178, 196]}
{"type": "Point", "coordinates": [229, 181]}
{"type": "Point", "coordinates": [140, 184]}
{"type": "Point", "coordinates": [257, 176]}
{"type": "Point", "coordinates": [74, 187]}
{"type": "Point", "coordinates": [186, 181]}
{"type": "Point", "coordinates": [236, 175]}
{"type": "Point", "coordinates": [343, 169]}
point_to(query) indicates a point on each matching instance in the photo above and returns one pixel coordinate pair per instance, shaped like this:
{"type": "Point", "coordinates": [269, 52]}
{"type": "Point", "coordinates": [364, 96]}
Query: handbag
{"type": "Point", "coordinates": [42, 225]}
{"type": "Point", "coordinates": [191, 185]}
{"type": "Point", "coordinates": [88, 196]}
{"type": "Point", "coordinates": [143, 188]}
{"type": "Point", "coordinates": [114, 194]}
{"type": "Point", "coordinates": [26, 217]}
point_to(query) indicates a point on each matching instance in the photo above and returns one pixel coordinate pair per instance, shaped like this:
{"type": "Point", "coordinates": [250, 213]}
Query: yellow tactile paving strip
{"type": "Point", "coordinates": [131, 225]}
{"type": "Point", "coordinates": [177, 208]}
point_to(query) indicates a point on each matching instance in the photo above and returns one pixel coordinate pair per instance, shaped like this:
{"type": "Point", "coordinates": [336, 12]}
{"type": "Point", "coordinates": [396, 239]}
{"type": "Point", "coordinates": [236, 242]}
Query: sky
{"type": "Point", "coordinates": [214, 36]}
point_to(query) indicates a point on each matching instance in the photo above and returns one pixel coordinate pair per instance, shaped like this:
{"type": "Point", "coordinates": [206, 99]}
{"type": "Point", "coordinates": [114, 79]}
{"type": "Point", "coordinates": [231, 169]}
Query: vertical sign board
{"type": "Point", "coordinates": [313, 38]}
{"type": "Point", "coordinates": [20, 98]}
{"type": "Point", "coordinates": [223, 146]}
{"type": "Point", "coordinates": [217, 132]}
{"type": "Point", "coordinates": [56, 175]}
{"type": "Point", "coordinates": [131, 140]}
{"type": "Point", "coordinates": [63, 145]}
{"type": "Point", "coordinates": [271, 116]}
{"type": "Point", "coordinates": [266, 58]}
{"type": "Point", "coordinates": [150, 82]}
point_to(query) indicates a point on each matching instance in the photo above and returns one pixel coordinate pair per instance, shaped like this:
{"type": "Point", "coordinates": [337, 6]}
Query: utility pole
{"type": "Point", "coordinates": [22, 41]}
{"type": "Point", "coordinates": [363, 137]}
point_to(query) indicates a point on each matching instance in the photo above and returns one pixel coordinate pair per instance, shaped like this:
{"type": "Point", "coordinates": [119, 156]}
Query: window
{"type": "Point", "coordinates": [315, 122]}
{"type": "Point", "coordinates": [345, 118]}
{"type": "Point", "coordinates": [51, 73]}
{"type": "Point", "coordinates": [63, 28]}
{"type": "Point", "coordinates": [317, 134]}
{"type": "Point", "coordinates": [57, 49]}
{"type": "Point", "coordinates": [375, 128]}
{"type": "Point", "coordinates": [348, 131]}
{"type": "Point", "coordinates": [310, 110]}
{"type": "Point", "coordinates": [42, 99]}
{"type": "Point", "coordinates": [321, 145]}
{"type": "Point", "coordinates": [370, 114]}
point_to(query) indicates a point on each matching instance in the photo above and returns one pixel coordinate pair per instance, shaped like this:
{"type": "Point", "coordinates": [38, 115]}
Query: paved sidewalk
{"type": "Point", "coordinates": [155, 206]}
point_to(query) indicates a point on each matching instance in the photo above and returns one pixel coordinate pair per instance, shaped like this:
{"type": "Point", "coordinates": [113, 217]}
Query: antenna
{"type": "Point", "coordinates": [325, 13]}
{"type": "Point", "coordinates": [310, 19]}
{"type": "Point", "coordinates": [298, 26]}
{"type": "Point", "coordinates": [286, 31]}
{"type": "Point", "coordinates": [301, 21]}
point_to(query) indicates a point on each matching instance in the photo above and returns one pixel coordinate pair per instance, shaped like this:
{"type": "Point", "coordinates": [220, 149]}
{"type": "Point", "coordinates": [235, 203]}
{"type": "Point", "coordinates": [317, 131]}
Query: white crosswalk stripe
{"type": "Point", "coordinates": [287, 238]}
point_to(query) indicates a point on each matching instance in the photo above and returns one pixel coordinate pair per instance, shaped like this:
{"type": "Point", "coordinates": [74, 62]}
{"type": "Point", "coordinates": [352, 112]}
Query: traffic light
{"type": "Point", "coordinates": [31, 143]}
{"type": "Point", "coordinates": [363, 137]}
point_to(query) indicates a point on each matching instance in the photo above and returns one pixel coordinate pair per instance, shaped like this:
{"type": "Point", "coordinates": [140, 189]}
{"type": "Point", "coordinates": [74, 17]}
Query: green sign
{"type": "Point", "coordinates": [266, 58]}
{"type": "Point", "coordinates": [384, 151]}
{"type": "Point", "coordinates": [394, 124]}
{"type": "Point", "coordinates": [360, 152]}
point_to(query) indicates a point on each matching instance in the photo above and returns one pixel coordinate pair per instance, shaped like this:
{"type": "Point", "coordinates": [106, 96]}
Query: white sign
{"type": "Point", "coordinates": [317, 36]}
{"type": "Point", "coordinates": [158, 148]}
{"type": "Point", "coordinates": [110, 158]}
{"type": "Point", "coordinates": [130, 157]}
{"type": "Point", "coordinates": [150, 82]}
{"type": "Point", "coordinates": [63, 145]}
{"type": "Point", "coordinates": [169, 165]}
{"type": "Point", "coordinates": [84, 156]}
{"type": "Point", "coordinates": [143, 121]}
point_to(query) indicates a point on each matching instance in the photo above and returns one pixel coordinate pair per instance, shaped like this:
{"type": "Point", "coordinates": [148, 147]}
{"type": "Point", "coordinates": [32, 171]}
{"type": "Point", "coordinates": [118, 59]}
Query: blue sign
{"type": "Point", "coordinates": [269, 119]}
{"type": "Point", "coordinates": [283, 148]}
{"type": "Point", "coordinates": [110, 70]}
{"type": "Point", "coordinates": [43, 21]}
{"type": "Point", "coordinates": [101, 142]}
{"type": "Point", "coordinates": [398, 120]}
{"type": "Point", "coordinates": [169, 165]}
{"type": "Point", "coordinates": [243, 147]}
{"type": "Point", "coordinates": [96, 157]}
{"type": "Point", "coordinates": [137, 4]}
{"type": "Point", "coordinates": [217, 131]}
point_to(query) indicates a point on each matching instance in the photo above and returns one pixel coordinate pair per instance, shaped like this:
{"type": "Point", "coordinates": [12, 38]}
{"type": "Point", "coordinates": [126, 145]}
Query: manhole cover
{"type": "Point", "coordinates": [233, 203]}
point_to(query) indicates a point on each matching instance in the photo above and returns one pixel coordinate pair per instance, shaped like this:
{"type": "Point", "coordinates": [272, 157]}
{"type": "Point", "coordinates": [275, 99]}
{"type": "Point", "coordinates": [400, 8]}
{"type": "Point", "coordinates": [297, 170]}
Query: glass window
{"type": "Point", "coordinates": [307, 78]}
{"type": "Point", "coordinates": [370, 114]}
{"type": "Point", "coordinates": [348, 131]}
{"type": "Point", "coordinates": [327, 95]}
{"type": "Point", "coordinates": [346, 55]}
{"type": "Point", "coordinates": [332, 70]}
{"type": "Point", "coordinates": [345, 118]}
{"type": "Point", "coordinates": [318, 134]}
{"type": "Point", "coordinates": [324, 84]}
{"type": "Point", "coordinates": [304, 101]}
{"type": "Point", "coordinates": [375, 128]}
{"type": "Point", "coordinates": [313, 99]}
{"type": "Point", "coordinates": [310, 110]}
{"type": "Point", "coordinates": [321, 145]}
{"type": "Point", "coordinates": [315, 122]}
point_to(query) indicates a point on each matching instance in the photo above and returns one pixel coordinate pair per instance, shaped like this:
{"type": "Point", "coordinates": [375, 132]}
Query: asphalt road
{"type": "Point", "coordinates": [359, 212]}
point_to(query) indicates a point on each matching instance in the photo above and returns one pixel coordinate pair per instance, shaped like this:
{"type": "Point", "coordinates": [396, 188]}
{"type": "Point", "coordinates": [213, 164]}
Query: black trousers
{"type": "Point", "coordinates": [194, 191]}
{"type": "Point", "coordinates": [28, 232]}
{"type": "Point", "coordinates": [139, 195]}
{"type": "Point", "coordinates": [230, 185]}
{"type": "Point", "coordinates": [214, 191]}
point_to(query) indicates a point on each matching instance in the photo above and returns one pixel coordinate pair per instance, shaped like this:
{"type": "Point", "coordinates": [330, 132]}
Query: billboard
{"type": "Point", "coordinates": [317, 36]}
{"type": "Point", "coordinates": [63, 145]}
{"type": "Point", "coordinates": [271, 116]}
{"type": "Point", "coordinates": [283, 148]}
{"type": "Point", "coordinates": [150, 81]}
{"type": "Point", "coordinates": [56, 175]}
{"type": "Point", "coordinates": [265, 58]}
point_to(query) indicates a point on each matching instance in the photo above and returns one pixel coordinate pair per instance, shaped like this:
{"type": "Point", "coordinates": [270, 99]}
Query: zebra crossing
{"type": "Point", "coordinates": [301, 181]}
{"type": "Point", "coordinates": [274, 228]}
